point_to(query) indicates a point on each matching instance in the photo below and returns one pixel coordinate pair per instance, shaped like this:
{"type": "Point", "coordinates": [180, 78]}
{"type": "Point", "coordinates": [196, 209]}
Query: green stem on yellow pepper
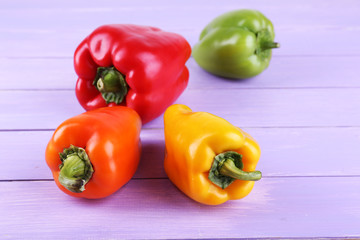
{"type": "Point", "coordinates": [227, 167]}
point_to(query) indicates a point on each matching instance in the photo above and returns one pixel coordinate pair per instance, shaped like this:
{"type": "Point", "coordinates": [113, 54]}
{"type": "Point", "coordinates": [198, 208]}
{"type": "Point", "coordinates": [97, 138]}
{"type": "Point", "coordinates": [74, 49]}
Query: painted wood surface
{"type": "Point", "coordinates": [286, 152]}
{"type": "Point", "coordinates": [304, 111]}
{"type": "Point", "coordinates": [307, 107]}
{"type": "Point", "coordinates": [61, 74]}
{"type": "Point", "coordinates": [154, 208]}
{"type": "Point", "coordinates": [306, 28]}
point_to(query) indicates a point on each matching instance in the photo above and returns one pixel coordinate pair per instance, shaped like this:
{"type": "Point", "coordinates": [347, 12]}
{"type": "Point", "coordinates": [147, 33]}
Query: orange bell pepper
{"type": "Point", "coordinates": [94, 154]}
{"type": "Point", "coordinates": [207, 158]}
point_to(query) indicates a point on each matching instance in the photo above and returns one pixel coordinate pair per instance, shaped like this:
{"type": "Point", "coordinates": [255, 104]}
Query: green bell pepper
{"type": "Point", "coordinates": [236, 44]}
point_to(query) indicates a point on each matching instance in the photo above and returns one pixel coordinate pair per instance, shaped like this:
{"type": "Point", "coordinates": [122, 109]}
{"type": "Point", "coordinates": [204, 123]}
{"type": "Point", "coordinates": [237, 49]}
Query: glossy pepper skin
{"type": "Point", "coordinates": [193, 141]}
{"type": "Point", "coordinates": [139, 67]}
{"type": "Point", "coordinates": [236, 44]}
{"type": "Point", "coordinates": [94, 154]}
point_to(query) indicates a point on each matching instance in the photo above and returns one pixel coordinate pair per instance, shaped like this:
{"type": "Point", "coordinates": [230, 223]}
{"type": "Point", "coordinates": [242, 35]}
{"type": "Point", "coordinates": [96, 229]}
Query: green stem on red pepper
{"type": "Point", "coordinates": [111, 83]}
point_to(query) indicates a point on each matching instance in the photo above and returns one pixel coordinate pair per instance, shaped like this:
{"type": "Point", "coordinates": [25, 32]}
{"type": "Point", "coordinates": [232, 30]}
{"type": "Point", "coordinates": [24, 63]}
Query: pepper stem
{"type": "Point", "coordinates": [269, 45]}
{"type": "Point", "coordinates": [227, 167]}
{"type": "Point", "coordinates": [111, 83]}
{"type": "Point", "coordinates": [76, 169]}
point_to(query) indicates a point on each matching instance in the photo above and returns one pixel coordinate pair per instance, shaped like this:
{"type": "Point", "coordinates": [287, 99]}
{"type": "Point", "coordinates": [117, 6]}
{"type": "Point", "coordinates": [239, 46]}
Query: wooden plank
{"type": "Point", "coordinates": [38, 73]}
{"type": "Point", "coordinates": [139, 11]}
{"type": "Point", "coordinates": [244, 107]}
{"type": "Point", "coordinates": [284, 72]}
{"type": "Point", "coordinates": [285, 152]}
{"type": "Point", "coordinates": [141, 4]}
{"type": "Point", "coordinates": [22, 155]}
{"type": "Point", "coordinates": [287, 72]}
{"type": "Point", "coordinates": [56, 30]}
{"type": "Point", "coordinates": [62, 43]}
{"type": "Point", "coordinates": [40, 109]}
{"type": "Point", "coordinates": [155, 209]}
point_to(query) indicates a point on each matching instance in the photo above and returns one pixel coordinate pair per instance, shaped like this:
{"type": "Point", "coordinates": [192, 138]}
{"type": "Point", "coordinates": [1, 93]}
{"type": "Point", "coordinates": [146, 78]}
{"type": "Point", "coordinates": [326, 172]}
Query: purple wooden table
{"type": "Point", "coordinates": [304, 110]}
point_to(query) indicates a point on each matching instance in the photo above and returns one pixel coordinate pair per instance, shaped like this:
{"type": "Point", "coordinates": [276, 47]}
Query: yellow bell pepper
{"type": "Point", "coordinates": [207, 158]}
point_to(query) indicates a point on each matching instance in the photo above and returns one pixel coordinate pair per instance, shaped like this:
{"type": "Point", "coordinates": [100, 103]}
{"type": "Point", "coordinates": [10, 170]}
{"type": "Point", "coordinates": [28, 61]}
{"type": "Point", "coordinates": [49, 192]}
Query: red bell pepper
{"type": "Point", "coordinates": [139, 67]}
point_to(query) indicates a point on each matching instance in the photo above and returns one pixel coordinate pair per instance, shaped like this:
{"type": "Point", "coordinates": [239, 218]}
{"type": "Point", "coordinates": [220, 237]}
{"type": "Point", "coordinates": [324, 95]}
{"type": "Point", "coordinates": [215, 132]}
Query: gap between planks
{"type": "Point", "coordinates": [161, 129]}
{"type": "Point", "coordinates": [141, 179]}
{"type": "Point", "coordinates": [274, 56]}
{"type": "Point", "coordinates": [239, 88]}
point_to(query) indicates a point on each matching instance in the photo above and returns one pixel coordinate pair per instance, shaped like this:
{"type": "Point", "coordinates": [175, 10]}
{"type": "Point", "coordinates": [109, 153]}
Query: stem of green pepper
{"type": "Point", "coordinates": [111, 83]}
{"type": "Point", "coordinates": [269, 45]}
{"type": "Point", "coordinates": [229, 169]}
{"type": "Point", "coordinates": [76, 169]}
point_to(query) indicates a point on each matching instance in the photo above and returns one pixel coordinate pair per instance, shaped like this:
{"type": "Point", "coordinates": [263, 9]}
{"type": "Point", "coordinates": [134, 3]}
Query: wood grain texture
{"type": "Point", "coordinates": [300, 13]}
{"type": "Point", "coordinates": [304, 111]}
{"type": "Point", "coordinates": [306, 28]}
{"type": "Point", "coordinates": [243, 107]}
{"type": "Point", "coordinates": [298, 16]}
{"type": "Point", "coordinates": [285, 152]}
{"type": "Point", "coordinates": [155, 209]}
{"type": "Point", "coordinates": [283, 72]}
{"type": "Point", "coordinates": [62, 43]}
